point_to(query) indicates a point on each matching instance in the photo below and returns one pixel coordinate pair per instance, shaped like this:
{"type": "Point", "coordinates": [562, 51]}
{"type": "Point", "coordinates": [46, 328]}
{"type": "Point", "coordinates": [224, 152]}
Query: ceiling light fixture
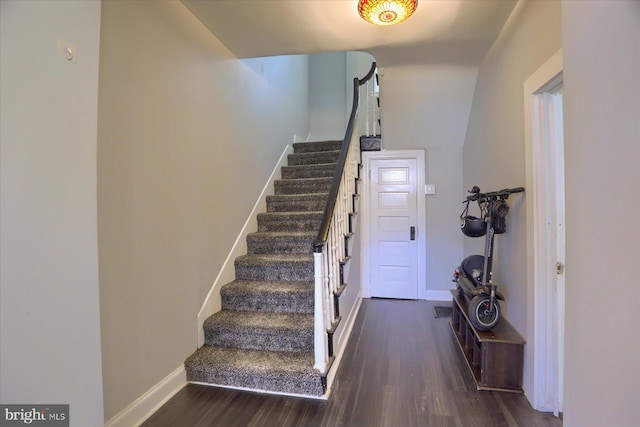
{"type": "Point", "coordinates": [386, 12]}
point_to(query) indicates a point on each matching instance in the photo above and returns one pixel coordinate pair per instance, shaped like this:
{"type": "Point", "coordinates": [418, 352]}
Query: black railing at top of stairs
{"type": "Point", "coordinates": [337, 176]}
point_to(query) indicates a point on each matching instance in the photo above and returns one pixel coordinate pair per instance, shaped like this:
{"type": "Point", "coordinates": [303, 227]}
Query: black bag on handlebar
{"type": "Point", "coordinates": [499, 214]}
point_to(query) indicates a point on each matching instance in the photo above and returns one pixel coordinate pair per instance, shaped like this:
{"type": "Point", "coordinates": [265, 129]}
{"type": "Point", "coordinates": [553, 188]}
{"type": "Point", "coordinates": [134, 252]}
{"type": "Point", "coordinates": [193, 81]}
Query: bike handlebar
{"type": "Point", "coordinates": [478, 196]}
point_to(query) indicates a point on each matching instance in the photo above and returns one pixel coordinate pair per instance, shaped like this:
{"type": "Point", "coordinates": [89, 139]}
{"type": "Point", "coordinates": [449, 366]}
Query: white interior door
{"type": "Point", "coordinates": [556, 160]}
{"type": "Point", "coordinates": [548, 143]}
{"type": "Point", "coordinates": [394, 228]}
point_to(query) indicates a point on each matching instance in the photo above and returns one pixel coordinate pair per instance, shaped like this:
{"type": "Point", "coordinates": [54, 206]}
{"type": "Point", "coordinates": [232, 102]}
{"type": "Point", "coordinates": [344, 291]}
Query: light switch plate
{"type": "Point", "coordinates": [430, 189]}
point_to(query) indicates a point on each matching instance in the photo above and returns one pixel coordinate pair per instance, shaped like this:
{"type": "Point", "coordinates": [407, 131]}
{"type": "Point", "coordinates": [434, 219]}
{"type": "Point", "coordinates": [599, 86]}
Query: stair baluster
{"type": "Point", "coordinates": [330, 246]}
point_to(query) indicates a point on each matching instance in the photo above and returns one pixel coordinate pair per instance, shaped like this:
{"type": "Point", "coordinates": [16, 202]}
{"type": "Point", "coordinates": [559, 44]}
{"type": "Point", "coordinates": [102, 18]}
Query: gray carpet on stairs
{"type": "Point", "coordinates": [262, 339]}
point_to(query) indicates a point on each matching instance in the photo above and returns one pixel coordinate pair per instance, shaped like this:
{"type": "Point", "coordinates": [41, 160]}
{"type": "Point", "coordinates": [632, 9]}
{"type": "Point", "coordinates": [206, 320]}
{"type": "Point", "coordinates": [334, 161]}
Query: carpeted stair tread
{"type": "Point", "coordinates": [260, 330]}
{"type": "Point", "coordinates": [279, 297]}
{"type": "Point", "coordinates": [294, 221]}
{"type": "Point", "coordinates": [308, 171]}
{"type": "Point", "coordinates": [283, 242]}
{"type": "Point", "coordinates": [302, 185]}
{"type": "Point", "coordinates": [305, 147]}
{"type": "Point", "coordinates": [262, 258]}
{"type": "Point", "coordinates": [272, 267]}
{"type": "Point", "coordinates": [313, 158]}
{"type": "Point", "coordinates": [253, 369]}
{"type": "Point", "coordinates": [297, 202]}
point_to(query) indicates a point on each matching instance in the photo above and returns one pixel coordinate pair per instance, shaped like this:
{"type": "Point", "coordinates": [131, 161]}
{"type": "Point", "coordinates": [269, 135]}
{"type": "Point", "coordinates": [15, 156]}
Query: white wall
{"type": "Point", "coordinates": [602, 144]}
{"type": "Point", "coordinates": [49, 310]}
{"type": "Point", "coordinates": [494, 151]}
{"type": "Point", "coordinates": [327, 96]}
{"type": "Point", "coordinates": [427, 107]}
{"type": "Point", "coordinates": [187, 137]}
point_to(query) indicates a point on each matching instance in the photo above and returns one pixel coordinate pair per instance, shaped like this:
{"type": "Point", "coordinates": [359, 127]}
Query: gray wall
{"type": "Point", "coordinates": [331, 91]}
{"type": "Point", "coordinates": [327, 97]}
{"type": "Point", "coordinates": [494, 150]}
{"type": "Point", "coordinates": [427, 107]}
{"type": "Point", "coordinates": [601, 112]}
{"type": "Point", "coordinates": [602, 144]}
{"type": "Point", "coordinates": [187, 137]}
{"type": "Point", "coordinates": [49, 309]}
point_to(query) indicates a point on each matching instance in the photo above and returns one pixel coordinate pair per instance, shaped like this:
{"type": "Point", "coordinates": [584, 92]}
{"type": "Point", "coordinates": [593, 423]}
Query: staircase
{"type": "Point", "coordinates": [263, 337]}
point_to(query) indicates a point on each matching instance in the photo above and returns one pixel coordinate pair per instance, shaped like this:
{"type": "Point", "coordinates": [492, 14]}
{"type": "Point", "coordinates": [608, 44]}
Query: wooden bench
{"type": "Point", "coordinates": [495, 357]}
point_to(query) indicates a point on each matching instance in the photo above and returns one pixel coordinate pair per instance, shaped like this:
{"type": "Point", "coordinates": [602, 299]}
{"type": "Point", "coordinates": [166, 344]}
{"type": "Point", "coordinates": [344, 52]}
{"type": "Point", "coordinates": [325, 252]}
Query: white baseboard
{"type": "Point", "coordinates": [144, 406]}
{"type": "Point", "coordinates": [351, 319]}
{"type": "Point", "coordinates": [212, 302]}
{"type": "Point", "coordinates": [438, 295]}
{"type": "Point", "coordinates": [298, 138]}
{"type": "Point", "coordinates": [256, 390]}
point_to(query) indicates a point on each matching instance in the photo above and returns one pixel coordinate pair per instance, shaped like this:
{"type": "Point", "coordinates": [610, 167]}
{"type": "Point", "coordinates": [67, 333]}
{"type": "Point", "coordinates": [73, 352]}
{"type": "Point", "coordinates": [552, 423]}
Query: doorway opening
{"type": "Point", "coordinates": [545, 234]}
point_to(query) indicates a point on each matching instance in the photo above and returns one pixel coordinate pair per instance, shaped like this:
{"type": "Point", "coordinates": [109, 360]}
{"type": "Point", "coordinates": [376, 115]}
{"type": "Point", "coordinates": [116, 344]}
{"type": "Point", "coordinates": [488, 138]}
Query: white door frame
{"type": "Point", "coordinates": [365, 220]}
{"type": "Point", "coordinates": [543, 377]}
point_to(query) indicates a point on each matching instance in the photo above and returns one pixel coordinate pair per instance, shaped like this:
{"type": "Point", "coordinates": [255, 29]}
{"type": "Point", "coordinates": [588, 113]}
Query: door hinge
{"type": "Point", "coordinates": [559, 268]}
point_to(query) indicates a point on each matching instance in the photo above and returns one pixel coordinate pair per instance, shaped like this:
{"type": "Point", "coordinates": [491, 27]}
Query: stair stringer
{"type": "Point", "coordinates": [338, 350]}
{"type": "Point", "coordinates": [213, 301]}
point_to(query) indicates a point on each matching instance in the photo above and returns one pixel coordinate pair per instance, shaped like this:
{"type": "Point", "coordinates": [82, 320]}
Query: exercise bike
{"type": "Point", "coordinates": [474, 276]}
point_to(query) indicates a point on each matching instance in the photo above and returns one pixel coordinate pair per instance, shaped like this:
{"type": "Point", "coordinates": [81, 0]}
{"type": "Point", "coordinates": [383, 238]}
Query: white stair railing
{"type": "Point", "coordinates": [330, 249]}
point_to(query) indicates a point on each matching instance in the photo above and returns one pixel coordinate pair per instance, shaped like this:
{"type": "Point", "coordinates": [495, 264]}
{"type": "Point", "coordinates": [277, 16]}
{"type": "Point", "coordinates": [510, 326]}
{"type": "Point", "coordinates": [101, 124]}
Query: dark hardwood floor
{"type": "Point", "coordinates": [401, 368]}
